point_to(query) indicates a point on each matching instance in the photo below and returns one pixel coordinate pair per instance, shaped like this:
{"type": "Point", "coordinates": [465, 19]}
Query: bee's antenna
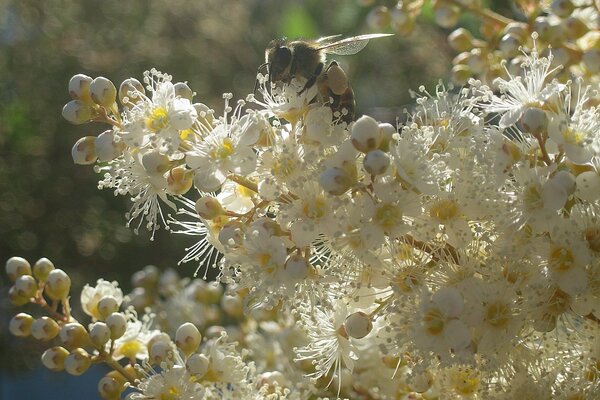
{"type": "Point", "coordinates": [257, 72]}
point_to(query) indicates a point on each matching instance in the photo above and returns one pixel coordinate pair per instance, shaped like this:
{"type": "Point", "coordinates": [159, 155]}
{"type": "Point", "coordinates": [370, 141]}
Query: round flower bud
{"type": "Point", "coordinates": [378, 18]}
{"type": "Point", "coordinates": [446, 15]}
{"type": "Point", "coordinates": [461, 74]}
{"type": "Point", "coordinates": [335, 181]}
{"type": "Point", "coordinates": [358, 325]}
{"type": "Point", "coordinates": [232, 305]}
{"type": "Point", "coordinates": [103, 92]}
{"type": "Point", "coordinates": [387, 136]}
{"type": "Point", "coordinates": [130, 92]}
{"type": "Point", "coordinates": [562, 8]}
{"type": "Point", "coordinates": [534, 120]}
{"type": "Point", "coordinates": [475, 61]}
{"type": "Point", "coordinates": [110, 388]}
{"type": "Point", "coordinates": [156, 164]}
{"type": "Point", "coordinates": [17, 266]}
{"type": "Point", "coordinates": [54, 358]}
{"type": "Point", "coordinates": [461, 40]}
{"type": "Point", "coordinates": [42, 268]}
{"type": "Point", "coordinates": [188, 338]}
{"type": "Point", "coordinates": [107, 306]}
{"type": "Point", "coordinates": [15, 298]}
{"type": "Point", "coordinates": [26, 286]}
{"type": "Point", "coordinates": [566, 181]}
{"type": "Point", "coordinates": [296, 268]}
{"type": "Point", "coordinates": [106, 147]}
{"type": "Point", "coordinates": [420, 382]}
{"type": "Point", "coordinates": [337, 79]}
{"type": "Point", "coordinates": [509, 45]}
{"type": "Point", "coordinates": [209, 207]}
{"type": "Point", "coordinates": [183, 90]}
{"type": "Point", "coordinates": [376, 162]}
{"type": "Point", "coordinates": [588, 186]}
{"type": "Point", "coordinates": [160, 351]}
{"type": "Point", "coordinates": [44, 329]}
{"type": "Point", "coordinates": [20, 325]}
{"type": "Point", "coordinates": [99, 334]}
{"type": "Point", "coordinates": [77, 112]}
{"type": "Point", "coordinates": [77, 362]}
{"type": "Point", "coordinates": [79, 88]}
{"type": "Point", "coordinates": [401, 21]}
{"type": "Point", "coordinates": [139, 298]}
{"type": "Point", "coordinates": [58, 284]}
{"type": "Point", "coordinates": [520, 29]}
{"type": "Point", "coordinates": [575, 28]}
{"type": "Point", "coordinates": [197, 365]}
{"type": "Point", "coordinates": [84, 151]}
{"type": "Point", "coordinates": [214, 331]}
{"type": "Point", "coordinates": [117, 324]}
{"type": "Point", "coordinates": [591, 60]}
{"type": "Point", "coordinates": [366, 135]}
{"type": "Point", "coordinates": [214, 291]}
{"type": "Point", "coordinates": [179, 180]}
{"type": "Point", "coordinates": [73, 335]}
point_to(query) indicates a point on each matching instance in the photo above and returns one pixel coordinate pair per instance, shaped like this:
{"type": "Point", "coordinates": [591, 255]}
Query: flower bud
{"type": "Point", "coordinates": [179, 180]}
{"type": "Point", "coordinates": [402, 22]}
{"type": "Point", "coordinates": [20, 324]}
{"type": "Point", "coordinates": [562, 8]}
{"type": "Point", "coordinates": [103, 92]}
{"type": "Point", "coordinates": [17, 266]}
{"type": "Point", "coordinates": [73, 335]}
{"type": "Point", "coordinates": [99, 334]}
{"type": "Point", "coordinates": [160, 351]}
{"type": "Point", "coordinates": [387, 136]}
{"type": "Point", "coordinates": [591, 60]}
{"type": "Point", "coordinates": [77, 362]}
{"type": "Point", "coordinates": [117, 324]}
{"type": "Point", "coordinates": [461, 40]}
{"type": "Point", "coordinates": [130, 92]}
{"type": "Point", "coordinates": [376, 162]}
{"type": "Point", "coordinates": [197, 365]}
{"type": "Point", "coordinates": [79, 88]}
{"type": "Point", "coordinates": [575, 28]}
{"type": "Point", "coordinates": [15, 298]}
{"type": "Point", "coordinates": [378, 18]}
{"type": "Point", "coordinates": [58, 285]}
{"type": "Point", "coordinates": [209, 207]}
{"type": "Point", "coordinates": [232, 305]}
{"type": "Point", "coordinates": [84, 151]}
{"type": "Point", "coordinates": [77, 112]}
{"type": "Point", "coordinates": [461, 74]}
{"type": "Point", "coordinates": [110, 388]}
{"type": "Point", "coordinates": [155, 164]}
{"type": "Point", "coordinates": [107, 148]}
{"type": "Point", "coordinates": [335, 181]}
{"type": "Point", "coordinates": [188, 338]}
{"type": "Point", "coordinates": [213, 292]}
{"type": "Point", "coordinates": [183, 90]}
{"type": "Point", "coordinates": [296, 268]}
{"type": "Point", "coordinates": [107, 306]}
{"type": "Point", "coordinates": [358, 325]}
{"type": "Point", "coordinates": [26, 286]}
{"type": "Point", "coordinates": [420, 382]}
{"type": "Point", "coordinates": [446, 15]}
{"type": "Point", "coordinates": [366, 135]}
{"type": "Point", "coordinates": [42, 268]}
{"type": "Point", "coordinates": [44, 329]}
{"type": "Point", "coordinates": [534, 120]}
{"type": "Point", "coordinates": [509, 45]}
{"type": "Point", "coordinates": [54, 358]}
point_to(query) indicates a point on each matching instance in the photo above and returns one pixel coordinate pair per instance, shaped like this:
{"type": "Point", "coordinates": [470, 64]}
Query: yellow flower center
{"type": "Point", "coordinates": [465, 382]}
{"type": "Point", "coordinates": [532, 198]}
{"type": "Point", "coordinates": [434, 321]}
{"type": "Point", "coordinates": [497, 314]}
{"type": "Point", "coordinates": [573, 137]}
{"type": "Point", "coordinates": [444, 210]}
{"type": "Point", "coordinates": [315, 209]}
{"type": "Point", "coordinates": [223, 151]}
{"type": "Point", "coordinates": [284, 166]}
{"type": "Point", "coordinates": [157, 120]}
{"type": "Point", "coordinates": [387, 216]}
{"type": "Point", "coordinates": [561, 259]}
{"type": "Point", "coordinates": [171, 393]}
{"type": "Point", "coordinates": [131, 349]}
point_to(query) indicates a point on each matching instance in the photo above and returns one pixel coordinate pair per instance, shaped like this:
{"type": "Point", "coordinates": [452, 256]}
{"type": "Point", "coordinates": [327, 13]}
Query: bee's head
{"type": "Point", "coordinates": [278, 57]}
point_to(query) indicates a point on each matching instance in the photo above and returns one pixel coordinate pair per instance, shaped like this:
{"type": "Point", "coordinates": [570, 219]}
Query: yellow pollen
{"type": "Point", "coordinates": [284, 166]}
{"type": "Point", "coordinates": [387, 216]}
{"type": "Point", "coordinates": [561, 259]}
{"type": "Point", "coordinates": [131, 349]}
{"type": "Point", "coordinates": [157, 120]}
{"type": "Point", "coordinates": [592, 235]}
{"type": "Point", "coordinates": [573, 137]}
{"type": "Point", "coordinates": [184, 134]}
{"type": "Point", "coordinates": [434, 321]}
{"type": "Point", "coordinates": [264, 259]}
{"type": "Point", "coordinates": [315, 209]}
{"type": "Point", "coordinates": [171, 394]}
{"type": "Point", "coordinates": [465, 382]}
{"type": "Point", "coordinates": [224, 151]}
{"type": "Point", "coordinates": [444, 210]}
{"type": "Point", "coordinates": [497, 314]}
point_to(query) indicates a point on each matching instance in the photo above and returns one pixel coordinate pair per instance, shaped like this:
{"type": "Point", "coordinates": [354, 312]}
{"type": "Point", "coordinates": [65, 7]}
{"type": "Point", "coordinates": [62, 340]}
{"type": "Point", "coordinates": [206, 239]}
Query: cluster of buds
{"type": "Point", "coordinates": [569, 27]}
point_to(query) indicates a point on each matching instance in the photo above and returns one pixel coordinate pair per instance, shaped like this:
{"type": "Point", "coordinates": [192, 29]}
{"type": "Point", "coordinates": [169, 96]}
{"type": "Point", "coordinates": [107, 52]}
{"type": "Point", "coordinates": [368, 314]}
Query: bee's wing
{"type": "Point", "coordinates": [351, 45]}
{"type": "Point", "coordinates": [327, 38]}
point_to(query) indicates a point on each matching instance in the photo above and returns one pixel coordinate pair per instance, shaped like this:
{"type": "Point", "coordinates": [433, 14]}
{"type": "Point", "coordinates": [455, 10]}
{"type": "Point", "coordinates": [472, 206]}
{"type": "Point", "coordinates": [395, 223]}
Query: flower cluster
{"type": "Point", "coordinates": [455, 255]}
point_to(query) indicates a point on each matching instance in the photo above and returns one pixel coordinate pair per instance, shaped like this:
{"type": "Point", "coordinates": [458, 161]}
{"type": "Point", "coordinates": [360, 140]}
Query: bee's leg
{"type": "Point", "coordinates": [311, 81]}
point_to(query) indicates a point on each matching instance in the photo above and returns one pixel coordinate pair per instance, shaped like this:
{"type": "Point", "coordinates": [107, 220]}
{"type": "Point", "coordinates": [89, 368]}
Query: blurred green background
{"type": "Point", "coordinates": [51, 208]}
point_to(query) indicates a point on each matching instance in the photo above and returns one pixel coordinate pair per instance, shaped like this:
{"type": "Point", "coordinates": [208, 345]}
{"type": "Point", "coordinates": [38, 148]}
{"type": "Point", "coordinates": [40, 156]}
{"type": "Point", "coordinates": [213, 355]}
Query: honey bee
{"type": "Point", "coordinates": [286, 60]}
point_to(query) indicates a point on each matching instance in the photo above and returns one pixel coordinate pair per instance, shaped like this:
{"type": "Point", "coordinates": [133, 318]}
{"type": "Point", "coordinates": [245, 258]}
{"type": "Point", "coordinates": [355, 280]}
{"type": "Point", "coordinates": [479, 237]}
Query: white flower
{"type": "Point", "coordinates": [90, 296]}
{"type": "Point", "coordinates": [134, 343]}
